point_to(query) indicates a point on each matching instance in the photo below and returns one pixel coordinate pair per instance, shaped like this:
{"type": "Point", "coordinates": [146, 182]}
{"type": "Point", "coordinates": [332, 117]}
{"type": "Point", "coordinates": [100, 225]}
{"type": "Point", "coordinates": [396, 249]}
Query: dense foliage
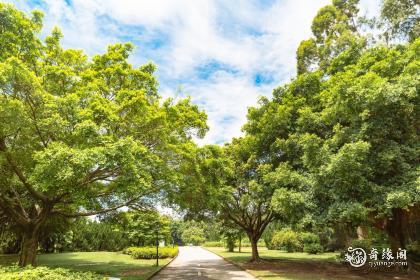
{"type": "Point", "coordinates": [150, 252]}
{"type": "Point", "coordinates": [331, 160]}
{"type": "Point", "coordinates": [45, 273]}
{"type": "Point", "coordinates": [80, 136]}
{"type": "Point", "coordinates": [335, 150]}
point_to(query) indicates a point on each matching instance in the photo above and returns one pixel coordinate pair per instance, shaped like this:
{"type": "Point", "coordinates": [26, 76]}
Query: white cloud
{"type": "Point", "coordinates": [244, 35]}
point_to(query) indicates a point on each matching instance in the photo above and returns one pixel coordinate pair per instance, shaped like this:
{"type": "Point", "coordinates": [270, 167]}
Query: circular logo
{"type": "Point", "coordinates": [356, 257]}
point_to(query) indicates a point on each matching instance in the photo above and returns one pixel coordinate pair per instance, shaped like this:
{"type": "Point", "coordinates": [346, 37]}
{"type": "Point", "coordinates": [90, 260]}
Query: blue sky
{"type": "Point", "coordinates": [224, 54]}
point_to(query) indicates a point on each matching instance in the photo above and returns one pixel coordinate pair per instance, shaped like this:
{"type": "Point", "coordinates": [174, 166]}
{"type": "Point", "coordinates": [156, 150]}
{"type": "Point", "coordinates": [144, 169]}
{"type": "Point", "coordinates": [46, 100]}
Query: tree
{"type": "Point", "coordinates": [344, 131]}
{"type": "Point", "coordinates": [349, 139]}
{"type": "Point", "coordinates": [193, 233]}
{"type": "Point", "coordinates": [247, 196]}
{"type": "Point", "coordinates": [401, 19]}
{"type": "Point", "coordinates": [80, 137]}
{"type": "Point", "coordinates": [336, 41]}
{"type": "Point", "coordinates": [231, 234]}
{"type": "Point", "coordinates": [142, 227]}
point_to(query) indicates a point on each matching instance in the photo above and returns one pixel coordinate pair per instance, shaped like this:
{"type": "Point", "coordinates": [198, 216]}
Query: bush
{"type": "Point", "coordinates": [150, 252]}
{"type": "Point", "coordinates": [311, 243]}
{"type": "Point", "coordinates": [45, 273]}
{"type": "Point", "coordinates": [309, 238]}
{"type": "Point", "coordinates": [267, 237]}
{"type": "Point", "coordinates": [213, 244]}
{"type": "Point", "coordinates": [286, 239]}
{"type": "Point", "coordinates": [313, 248]}
{"type": "Point", "coordinates": [246, 243]}
{"type": "Point", "coordinates": [365, 244]}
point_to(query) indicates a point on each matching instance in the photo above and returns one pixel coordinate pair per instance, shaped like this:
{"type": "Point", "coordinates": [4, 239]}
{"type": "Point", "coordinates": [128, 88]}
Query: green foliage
{"type": "Point", "coordinates": [246, 243]}
{"type": "Point", "coordinates": [309, 237]}
{"type": "Point", "coordinates": [193, 234]}
{"type": "Point", "coordinates": [142, 226]}
{"type": "Point", "coordinates": [311, 243]}
{"type": "Point", "coordinates": [213, 244]}
{"type": "Point", "coordinates": [401, 18]}
{"type": "Point", "coordinates": [150, 252]}
{"type": "Point", "coordinates": [286, 239]}
{"type": "Point", "coordinates": [313, 248]}
{"type": "Point", "coordinates": [31, 273]}
{"type": "Point", "coordinates": [96, 236]}
{"type": "Point", "coordinates": [230, 243]}
{"type": "Point", "coordinates": [365, 244]}
{"type": "Point", "coordinates": [82, 134]}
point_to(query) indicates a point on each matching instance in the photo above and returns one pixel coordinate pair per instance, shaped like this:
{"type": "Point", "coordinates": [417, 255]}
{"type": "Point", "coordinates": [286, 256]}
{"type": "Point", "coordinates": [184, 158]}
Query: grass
{"type": "Point", "coordinates": [113, 264]}
{"type": "Point", "coordinates": [280, 265]}
{"type": "Point", "coordinates": [245, 255]}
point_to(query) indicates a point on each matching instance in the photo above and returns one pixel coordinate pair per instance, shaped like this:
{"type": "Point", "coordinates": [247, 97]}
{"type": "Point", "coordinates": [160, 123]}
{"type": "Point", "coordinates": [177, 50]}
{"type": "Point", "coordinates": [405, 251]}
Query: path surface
{"type": "Point", "coordinates": [197, 263]}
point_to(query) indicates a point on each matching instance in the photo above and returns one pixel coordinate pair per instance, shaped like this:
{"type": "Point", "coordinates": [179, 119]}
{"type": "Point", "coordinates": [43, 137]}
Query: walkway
{"type": "Point", "coordinates": [199, 264]}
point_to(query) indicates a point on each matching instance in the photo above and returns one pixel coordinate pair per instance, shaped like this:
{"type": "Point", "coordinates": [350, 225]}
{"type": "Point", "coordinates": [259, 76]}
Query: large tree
{"type": "Point", "coordinates": [348, 124]}
{"type": "Point", "coordinates": [79, 136]}
{"type": "Point", "coordinates": [241, 187]}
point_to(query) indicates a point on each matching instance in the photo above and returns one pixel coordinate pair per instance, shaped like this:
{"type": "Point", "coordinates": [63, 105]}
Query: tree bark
{"type": "Point", "coordinates": [240, 243]}
{"type": "Point", "coordinates": [254, 245]}
{"type": "Point", "coordinates": [362, 232]}
{"type": "Point", "coordinates": [396, 228]}
{"type": "Point", "coordinates": [29, 248]}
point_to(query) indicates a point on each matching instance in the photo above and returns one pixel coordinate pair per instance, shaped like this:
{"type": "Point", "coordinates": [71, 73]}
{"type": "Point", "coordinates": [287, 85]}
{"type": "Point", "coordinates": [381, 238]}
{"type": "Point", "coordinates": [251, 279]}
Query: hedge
{"type": "Point", "coordinates": [45, 273]}
{"type": "Point", "coordinates": [150, 252]}
{"type": "Point", "coordinates": [214, 244]}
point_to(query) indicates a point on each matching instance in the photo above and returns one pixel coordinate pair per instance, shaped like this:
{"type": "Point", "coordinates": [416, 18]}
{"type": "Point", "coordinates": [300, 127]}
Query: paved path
{"type": "Point", "coordinates": [199, 264]}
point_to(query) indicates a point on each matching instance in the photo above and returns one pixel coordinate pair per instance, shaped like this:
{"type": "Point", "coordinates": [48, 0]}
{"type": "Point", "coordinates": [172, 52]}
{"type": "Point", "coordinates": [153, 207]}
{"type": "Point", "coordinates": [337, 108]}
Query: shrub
{"type": "Point", "coordinates": [309, 238]}
{"type": "Point", "coordinates": [230, 244]}
{"type": "Point", "coordinates": [150, 252]}
{"type": "Point", "coordinates": [311, 243]}
{"type": "Point", "coordinates": [246, 243]}
{"type": "Point", "coordinates": [286, 239]}
{"type": "Point", "coordinates": [267, 237]}
{"type": "Point", "coordinates": [213, 244]}
{"type": "Point", "coordinates": [45, 273]}
{"type": "Point", "coordinates": [365, 244]}
{"type": "Point", "coordinates": [313, 248]}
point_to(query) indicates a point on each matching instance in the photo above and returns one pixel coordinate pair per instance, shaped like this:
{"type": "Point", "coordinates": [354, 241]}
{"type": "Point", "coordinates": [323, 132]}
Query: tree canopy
{"type": "Point", "coordinates": [338, 145]}
{"type": "Point", "coordinates": [80, 136]}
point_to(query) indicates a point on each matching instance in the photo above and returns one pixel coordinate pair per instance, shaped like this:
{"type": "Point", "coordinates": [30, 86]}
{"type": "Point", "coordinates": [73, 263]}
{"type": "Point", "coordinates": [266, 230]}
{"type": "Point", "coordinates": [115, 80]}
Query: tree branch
{"type": "Point", "coordinates": [19, 173]}
{"type": "Point", "coordinates": [91, 213]}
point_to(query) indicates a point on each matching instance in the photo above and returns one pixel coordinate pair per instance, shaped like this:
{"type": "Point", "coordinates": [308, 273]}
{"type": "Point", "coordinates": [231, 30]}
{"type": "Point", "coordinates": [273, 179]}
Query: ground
{"type": "Point", "coordinates": [198, 263]}
{"type": "Point", "coordinates": [279, 265]}
{"type": "Point", "coordinates": [195, 263]}
{"type": "Point", "coordinates": [113, 264]}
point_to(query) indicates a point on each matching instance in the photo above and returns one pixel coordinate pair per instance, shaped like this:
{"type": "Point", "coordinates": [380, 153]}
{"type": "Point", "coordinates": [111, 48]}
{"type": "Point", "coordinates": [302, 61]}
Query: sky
{"type": "Point", "coordinates": [224, 54]}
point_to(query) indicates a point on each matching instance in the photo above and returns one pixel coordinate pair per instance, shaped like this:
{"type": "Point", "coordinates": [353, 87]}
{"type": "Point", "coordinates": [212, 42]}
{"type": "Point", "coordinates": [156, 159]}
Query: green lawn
{"type": "Point", "coordinates": [280, 265]}
{"type": "Point", "coordinates": [272, 254]}
{"type": "Point", "coordinates": [107, 263]}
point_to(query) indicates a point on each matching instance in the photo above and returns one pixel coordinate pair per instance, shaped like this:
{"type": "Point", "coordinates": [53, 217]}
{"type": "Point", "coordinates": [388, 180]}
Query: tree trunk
{"type": "Point", "coordinates": [240, 243]}
{"type": "Point", "coordinates": [29, 248]}
{"type": "Point", "coordinates": [254, 246]}
{"type": "Point", "coordinates": [395, 228]}
{"type": "Point", "coordinates": [362, 232]}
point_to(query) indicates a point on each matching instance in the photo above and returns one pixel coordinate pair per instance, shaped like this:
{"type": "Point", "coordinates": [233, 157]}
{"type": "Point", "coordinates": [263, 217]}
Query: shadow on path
{"type": "Point", "coordinates": [198, 263]}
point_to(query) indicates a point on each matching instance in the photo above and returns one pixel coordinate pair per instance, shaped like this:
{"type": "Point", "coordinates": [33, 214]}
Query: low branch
{"type": "Point", "coordinates": [19, 173]}
{"type": "Point", "coordinates": [8, 208]}
{"type": "Point", "coordinates": [91, 213]}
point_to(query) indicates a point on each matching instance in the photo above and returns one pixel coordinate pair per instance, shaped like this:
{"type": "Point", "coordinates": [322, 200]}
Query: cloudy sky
{"type": "Point", "coordinates": [224, 54]}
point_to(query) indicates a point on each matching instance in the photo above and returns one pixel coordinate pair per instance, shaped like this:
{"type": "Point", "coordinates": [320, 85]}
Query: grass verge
{"type": "Point", "coordinates": [280, 265]}
{"type": "Point", "coordinates": [113, 264]}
